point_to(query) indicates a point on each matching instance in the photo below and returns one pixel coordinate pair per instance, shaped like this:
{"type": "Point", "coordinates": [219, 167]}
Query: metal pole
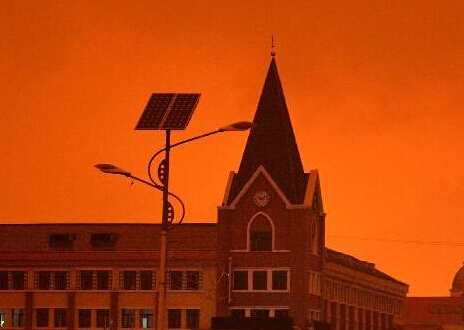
{"type": "Point", "coordinates": [163, 241]}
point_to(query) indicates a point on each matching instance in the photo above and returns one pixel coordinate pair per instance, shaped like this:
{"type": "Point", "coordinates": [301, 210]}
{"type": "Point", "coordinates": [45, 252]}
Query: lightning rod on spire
{"type": "Point", "coordinates": [272, 46]}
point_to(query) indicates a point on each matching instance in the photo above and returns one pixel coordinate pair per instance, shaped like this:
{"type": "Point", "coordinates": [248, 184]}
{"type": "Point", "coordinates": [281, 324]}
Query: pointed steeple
{"type": "Point", "coordinates": [272, 144]}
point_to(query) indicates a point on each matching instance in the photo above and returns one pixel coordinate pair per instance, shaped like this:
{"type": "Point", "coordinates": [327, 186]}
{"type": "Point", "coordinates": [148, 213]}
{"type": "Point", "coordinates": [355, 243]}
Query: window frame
{"type": "Point", "coordinates": [192, 280]}
{"type": "Point", "coordinates": [128, 318]}
{"type": "Point", "coordinates": [249, 232]}
{"type": "Point", "coordinates": [143, 281]}
{"type": "Point", "coordinates": [87, 279]}
{"type": "Point", "coordinates": [4, 280]}
{"type": "Point", "coordinates": [15, 279]}
{"type": "Point", "coordinates": [244, 271]}
{"type": "Point", "coordinates": [55, 319]}
{"type": "Point", "coordinates": [46, 317]}
{"type": "Point", "coordinates": [150, 318]}
{"type": "Point", "coordinates": [4, 318]}
{"type": "Point", "coordinates": [17, 319]}
{"type": "Point", "coordinates": [174, 285]}
{"type": "Point", "coordinates": [103, 277]}
{"type": "Point", "coordinates": [260, 280]}
{"type": "Point", "coordinates": [41, 280]}
{"type": "Point", "coordinates": [185, 272]}
{"type": "Point", "coordinates": [99, 313]}
{"type": "Point", "coordinates": [315, 283]}
{"type": "Point", "coordinates": [129, 283]}
{"type": "Point", "coordinates": [80, 320]}
{"type": "Point", "coordinates": [269, 279]}
{"type": "Point", "coordinates": [178, 321]}
{"type": "Point", "coordinates": [274, 282]}
{"type": "Point", "coordinates": [247, 310]}
{"type": "Point", "coordinates": [195, 314]}
{"type": "Point", "coordinates": [58, 277]}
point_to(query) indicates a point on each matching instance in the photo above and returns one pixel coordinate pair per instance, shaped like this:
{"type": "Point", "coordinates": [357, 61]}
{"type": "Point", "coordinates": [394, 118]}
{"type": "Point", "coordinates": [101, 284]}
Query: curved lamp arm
{"type": "Point", "coordinates": [112, 169]}
{"type": "Point", "coordinates": [237, 126]}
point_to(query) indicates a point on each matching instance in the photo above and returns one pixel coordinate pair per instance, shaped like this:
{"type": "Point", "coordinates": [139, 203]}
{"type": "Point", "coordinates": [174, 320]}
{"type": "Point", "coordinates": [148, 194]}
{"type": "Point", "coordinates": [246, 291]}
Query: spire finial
{"type": "Point", "coordinates": [272, 46]}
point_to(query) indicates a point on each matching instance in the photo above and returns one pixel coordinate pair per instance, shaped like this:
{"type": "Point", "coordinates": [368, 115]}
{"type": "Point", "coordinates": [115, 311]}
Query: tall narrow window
{"type": "Point", "coordinates": [103, 318]}
{"type": "Point", "coordinates": [146, 318]}
{"type": "Point", "coordinates": [60, 318]}
{"type": "Point", "coordinates": [3, 280]}
{"type": "Point", "coordinates": [193, 318]}
{"type": "Point", "coordinates": [18, 280]}
{"type": "Point", "coordinates": [146, 280]}
{"type": "Point", "coordinates": [84, 318]}
{"type": "Point", "coordinates": [193, 280]}
{"type": "Point", "coordinates": [3, 318]}
{"type": "Point", "coordinates": [279, 280]}
{"type": "Point", "coordinates": [173, 318]}
{"type": "Point", "coordinates": [128, 318]}
{"type": "Point", "coordinates": [315, 237]}
{"type": "Point", "coordinates": [259, 280]}
{"type": "Point", "coordinates": [130, 280]}
{"type": "Point", "coordinates": [86, 279]}
{"type": "Point", "coordinates": [103, 280]}
{"type": "Point", "coordinates": [60, 280]}
{"type": "Point", "coordinates": [18, 317]}
{"type": "Point", "coordinates": [44, 280]}
{"type": "Point", "coordinates": [175, 280]}
{"type": "Point", "coordinates": [42, 317]}
{"type": "Point", "coordinates": [260, 234]}
{"type": "Point", "coordinates": [240, 280]}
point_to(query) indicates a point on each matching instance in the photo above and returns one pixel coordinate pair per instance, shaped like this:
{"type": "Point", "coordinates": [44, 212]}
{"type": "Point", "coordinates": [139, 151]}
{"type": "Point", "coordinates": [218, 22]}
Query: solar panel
{"type": "Point", "coordinates": [168, 111]}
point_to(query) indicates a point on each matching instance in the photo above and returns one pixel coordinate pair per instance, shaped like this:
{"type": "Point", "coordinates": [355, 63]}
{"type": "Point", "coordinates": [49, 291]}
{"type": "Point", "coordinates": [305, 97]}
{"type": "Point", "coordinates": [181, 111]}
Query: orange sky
{"type": "Point", "coordinates": [374, 90]}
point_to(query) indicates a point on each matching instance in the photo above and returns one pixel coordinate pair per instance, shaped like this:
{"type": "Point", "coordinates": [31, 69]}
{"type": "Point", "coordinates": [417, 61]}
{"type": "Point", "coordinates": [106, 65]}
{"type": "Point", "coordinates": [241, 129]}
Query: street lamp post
{"type": "Point", "coordinates": [167, 211]}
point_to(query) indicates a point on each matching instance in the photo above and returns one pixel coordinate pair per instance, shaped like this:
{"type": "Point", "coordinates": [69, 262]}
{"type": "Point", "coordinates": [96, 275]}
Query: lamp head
{"type": "Point", "coordinates": [112, 169]}
{"type": "Point", "coordinates": [238, 126]}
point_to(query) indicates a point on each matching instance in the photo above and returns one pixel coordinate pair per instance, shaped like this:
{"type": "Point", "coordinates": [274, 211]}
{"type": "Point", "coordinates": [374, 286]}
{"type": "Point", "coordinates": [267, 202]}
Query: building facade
{"type": "Point", "coordinates": [264, 259]}
{"type": "Point", "coordinates": [104, 276]}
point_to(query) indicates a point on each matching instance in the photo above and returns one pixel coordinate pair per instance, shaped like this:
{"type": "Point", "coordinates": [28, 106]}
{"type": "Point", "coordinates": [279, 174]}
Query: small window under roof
{"type": "Point", "coordinates": [102, 240]}
{"type": "Point", "coordinates": [61, 240]}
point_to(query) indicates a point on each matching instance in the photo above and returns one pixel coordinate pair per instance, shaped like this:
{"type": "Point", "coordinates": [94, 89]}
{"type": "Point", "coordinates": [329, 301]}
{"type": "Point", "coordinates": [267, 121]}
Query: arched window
{"type": "Point", "coordinates": [314, 237]}
{"type": "Point", "coordinates": [260, 234]}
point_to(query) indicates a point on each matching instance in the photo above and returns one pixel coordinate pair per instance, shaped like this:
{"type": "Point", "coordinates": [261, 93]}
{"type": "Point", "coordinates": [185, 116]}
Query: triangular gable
{"type": "Point", "coordinates": [260, 170]}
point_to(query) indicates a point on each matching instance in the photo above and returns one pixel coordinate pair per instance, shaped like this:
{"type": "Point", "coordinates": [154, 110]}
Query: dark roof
{"type": "Point", "coordinates": [357, 264]}
{"type": "Point", "coordinates": [130, 236]}
{"type": "Point", "coordinates": [272, 144]}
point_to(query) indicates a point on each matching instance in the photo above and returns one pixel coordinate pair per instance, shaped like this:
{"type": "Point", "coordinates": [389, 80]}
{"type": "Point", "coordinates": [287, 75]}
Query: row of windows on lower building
{"type": "Point", "coordinates": [58, 318]}
{"type": "Point", "coordinates": [259, 312]}
{"type": "Point", "coordinates": [261, 280]}
{"type": "Point", "coordinates": [355, 318]}
{"type": "Point", "coordinates": [360, 297]}
{"type": "Point", "coordinates": [101, 280]}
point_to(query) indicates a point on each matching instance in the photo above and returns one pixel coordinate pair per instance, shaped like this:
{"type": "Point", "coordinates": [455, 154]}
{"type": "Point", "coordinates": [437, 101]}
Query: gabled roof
{"type": "Point", "coordinates": [261, 170]}
{"type": "Point", "coordinates": [272, 144]}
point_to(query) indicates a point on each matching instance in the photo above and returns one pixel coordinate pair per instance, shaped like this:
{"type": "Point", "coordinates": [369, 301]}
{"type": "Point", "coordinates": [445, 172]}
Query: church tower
{"type": "Point", "coordinates": [271, 223]}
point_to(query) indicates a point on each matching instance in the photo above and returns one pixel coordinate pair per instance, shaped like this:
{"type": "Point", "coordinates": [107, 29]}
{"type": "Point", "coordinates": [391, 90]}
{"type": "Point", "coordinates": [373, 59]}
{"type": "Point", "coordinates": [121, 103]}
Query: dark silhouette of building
{"type": "Point", "coordinates": [263, 264]}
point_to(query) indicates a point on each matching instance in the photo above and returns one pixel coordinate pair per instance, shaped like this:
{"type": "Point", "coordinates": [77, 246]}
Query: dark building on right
{"type": "Point", "coordinates": [437, 313]}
